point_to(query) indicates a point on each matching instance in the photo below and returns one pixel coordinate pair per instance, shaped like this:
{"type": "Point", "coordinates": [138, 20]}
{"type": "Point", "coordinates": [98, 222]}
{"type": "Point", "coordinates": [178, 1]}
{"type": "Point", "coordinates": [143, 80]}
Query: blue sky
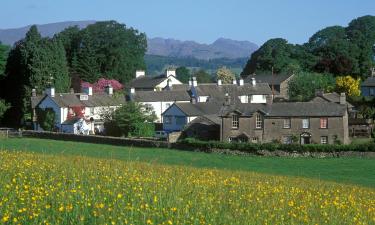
{"type": "Point", "coordinates": [203, 21]}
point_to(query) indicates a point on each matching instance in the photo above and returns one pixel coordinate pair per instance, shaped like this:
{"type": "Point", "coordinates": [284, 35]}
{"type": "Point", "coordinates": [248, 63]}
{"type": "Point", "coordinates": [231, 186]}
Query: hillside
{"type": "Point", "coordinates": [221, 48]}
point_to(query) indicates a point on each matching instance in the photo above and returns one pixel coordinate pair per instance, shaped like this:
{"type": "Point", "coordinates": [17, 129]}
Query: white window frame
{"type": "Point", "coordinates": [324, 140]}
{"type": "Point", "coordinates": [235, 122]}
{"type": "Point", "coordinates": [258, 121]}
{"type": "Point", "coordinates": [305, 123]}
{"type": "Point", "coordinates": [287, 123]}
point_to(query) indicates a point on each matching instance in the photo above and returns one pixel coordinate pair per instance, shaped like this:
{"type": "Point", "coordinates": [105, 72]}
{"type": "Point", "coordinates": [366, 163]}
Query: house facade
{"type": "Point", "coordinates": [287, 122]}
{"type": "Point", "coordinates": [78, 113]}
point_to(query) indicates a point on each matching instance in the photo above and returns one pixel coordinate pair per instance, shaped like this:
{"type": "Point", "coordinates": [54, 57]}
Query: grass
{"type": "Point", "coordinates": [358, 171]}
{"type": "Point", "coordinates": [60, 188]}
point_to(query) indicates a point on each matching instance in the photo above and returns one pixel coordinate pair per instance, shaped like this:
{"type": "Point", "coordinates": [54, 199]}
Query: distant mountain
{"type": "Point", "coordinates": [221, 48]}
{"type": "Point", "coordinates": [10, 36]}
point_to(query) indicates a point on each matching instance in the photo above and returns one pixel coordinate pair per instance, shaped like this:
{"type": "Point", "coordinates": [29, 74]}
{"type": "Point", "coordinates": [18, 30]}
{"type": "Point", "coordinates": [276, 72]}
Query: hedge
{"type": "Point", "coordinates": [252, 147]}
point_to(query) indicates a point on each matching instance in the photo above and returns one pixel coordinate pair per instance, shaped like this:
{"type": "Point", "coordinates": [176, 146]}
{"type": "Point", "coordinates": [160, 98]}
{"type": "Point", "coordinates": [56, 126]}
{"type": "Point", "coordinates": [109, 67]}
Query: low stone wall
{"type": "Point", "coordinates": [137, 142]}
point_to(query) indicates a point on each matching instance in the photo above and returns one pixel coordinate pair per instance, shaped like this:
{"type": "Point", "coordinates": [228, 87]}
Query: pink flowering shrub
{"type": "Point", "coordinates": [100, 85]}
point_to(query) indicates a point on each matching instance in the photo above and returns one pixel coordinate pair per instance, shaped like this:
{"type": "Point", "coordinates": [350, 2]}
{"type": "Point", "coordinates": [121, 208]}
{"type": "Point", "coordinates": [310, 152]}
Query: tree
{"type": "Point", "coordinates": [349, 85]}
{"type": "Point", "coordinates": [46, 118]}
{"type": "Point", "coordinates": [183, 74]}
{"type": "Point", "coordinates": [3, 108]}
{"type": "Point", "coordinates": [4, 50]}
{"type": "Point", "coordinates": [202, 76]}
{"type": "Point", "coordinates": [131, 119]}
{"type": "Point", "coordinates": [225, 75]}
{"type": "Point", "coordinates": [302, 86]}
{"type": "Point", "coordinates": [70, 39]}
{"type": "Point", "coordinates": [112, 50]}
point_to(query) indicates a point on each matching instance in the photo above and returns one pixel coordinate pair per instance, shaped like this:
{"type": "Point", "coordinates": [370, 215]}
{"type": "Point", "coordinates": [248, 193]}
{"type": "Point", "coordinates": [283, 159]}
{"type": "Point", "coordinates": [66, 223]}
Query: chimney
{"type": "Point", "coordinates": [227, 99]}
{"type": "Point", "coordinates": [50, 92]}
{"type": "Point", "coordinates": [269, 100]}
{"type": "Point", "coordinates": [194, 82]}
{"type": "Point", "coordinates": [234, 81]}
{"type": "Point", "coordinates": [219, 83]}
{"type": "Point", "coordinates": [342, 99]}
{"type": "Point", "coordinates": [140, 73]}
{"type": "Point", "coordinates": [87, 90]}
{"type": "Point", "coordinates": [170, 72]}
{"type": "Point", "coordinates": [319, 92]}
{"type": "Point", "coordinates": [71, 90]}
{"type": "Point", "coordinates": [241, 82]}
{"type": "Point", "coordinates": [253, 81]}
{"type": "Point", "coordinates": [33, 92]}
{"type": "Point", "coordinates": [109, 90]}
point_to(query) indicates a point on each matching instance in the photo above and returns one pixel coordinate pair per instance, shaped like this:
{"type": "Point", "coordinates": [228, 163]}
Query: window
{"type": "Point", "coordinates": [254, 139]}
{"type": "Point", "coordinates": [287, 139]}
{"type": "Point", "coordinates": [180, 120]}
{"type": "Point", "coordinates": [167, 119]}
{"type": "Point", "coordinates": [287, 123]}
{"type": "Point", "coordinates": [323, 140]}
{"type": "Point", "coordinates": [305, 123]}
{"type": "Point", "coordinates": [235, 121]}
{"type": "Point", "coordinates": [324, 123]}
{"type": "Point", "coordinates": [258, 121]}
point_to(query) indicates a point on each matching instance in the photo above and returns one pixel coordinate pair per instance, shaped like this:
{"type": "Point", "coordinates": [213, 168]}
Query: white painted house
{"type": "Point", "coordinates": [141, 82]}
{"type": "Point", "coordinates": [78, 112]}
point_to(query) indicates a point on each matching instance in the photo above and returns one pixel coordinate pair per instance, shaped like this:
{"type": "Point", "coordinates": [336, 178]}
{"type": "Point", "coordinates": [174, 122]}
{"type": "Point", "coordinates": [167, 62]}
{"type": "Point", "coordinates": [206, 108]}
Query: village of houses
{"type": "Point", "coordinates": [255, 109]}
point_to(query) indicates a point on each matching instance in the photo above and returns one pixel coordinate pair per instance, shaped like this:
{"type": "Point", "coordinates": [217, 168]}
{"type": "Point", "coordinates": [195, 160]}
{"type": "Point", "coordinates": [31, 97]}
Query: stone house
{"type": "Point", "coordinates": [277, 82]}
{"type": "Point", "coordinates": [285, 122]}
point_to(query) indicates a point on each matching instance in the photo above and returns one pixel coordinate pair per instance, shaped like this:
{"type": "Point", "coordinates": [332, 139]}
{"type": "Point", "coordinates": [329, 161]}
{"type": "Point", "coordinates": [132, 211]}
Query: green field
{"type": "Point", "coordinates": [358, 171]}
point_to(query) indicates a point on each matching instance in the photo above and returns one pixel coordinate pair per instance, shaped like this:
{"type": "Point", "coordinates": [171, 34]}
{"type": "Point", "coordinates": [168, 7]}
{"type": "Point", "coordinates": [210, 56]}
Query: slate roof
{"type": "Point", "coordinates": [218, 92]}
{"type": "Point", "coordinates": [288, 109]}
{"type": "Point", "coordinates": [158, 96]}
{"type": "Point", "coordinates": [276, 79]}
{"type": "Point", "coordinates": [308, 109]}
{"type": "Point", "coordinates": [199, 108]}
{"type": "Point", "coordinates": [369, 82]}
{"type": "Point", "coordinates": [330, 97]}
{"type": "Point", "coordinates": [146, 82]}
{"type": "Point", "coordinates": [64, 100]}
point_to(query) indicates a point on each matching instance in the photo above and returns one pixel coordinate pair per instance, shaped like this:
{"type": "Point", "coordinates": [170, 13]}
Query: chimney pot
{"type": "Point", "coordinates": [140, 73]}
{"type": "Point", "coordinates": [342, 99]}
{"type": "Point", "coordinates": [219, 82]}
{"type": "Point", "coordinates": [170, 72]}
{"type": "Point", "coordinates": [194, 82]}
{"type": "Point", "coordinates": [33, 92]}
{"type": "Point", "coordinates": [109, 90]}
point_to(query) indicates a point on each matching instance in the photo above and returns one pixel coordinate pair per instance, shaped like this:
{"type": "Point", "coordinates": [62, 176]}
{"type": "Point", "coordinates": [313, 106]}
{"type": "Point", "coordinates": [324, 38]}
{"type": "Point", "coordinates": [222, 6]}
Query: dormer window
{"type": "Point", "coordinates": [235, 122]}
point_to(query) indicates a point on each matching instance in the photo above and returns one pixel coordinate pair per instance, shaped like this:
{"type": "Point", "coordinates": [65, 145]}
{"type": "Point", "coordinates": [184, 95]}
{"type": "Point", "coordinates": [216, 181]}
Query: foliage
{"type": "Point", "coordinates": [46, 118]}
{"type": "Point", "coordinates": [50, 188]}
{"type": "Point", "coordinates": [183, 74]}
{"type": "Point", "coordinates": [33, 62]}
{"type": "Point", "coordinates": [4, 50]}
{"type": "Point", "coordinates": [76, 112]}
{"type": "Point", "coordinates": [336, 50]}
{"type": "Point", "coordinates": [107, 47]}
{"type": "Point", "coordinates": [202, 76]}
{"type": "Point", "coordinates": [225, 75]}
{"type": "Point", "coordinates": [132, 119]}
{"type": "Point", "coordinates": [349, 85]}
{"type": "Point", "coordinates": [156, 64]}
{"type": "Point", "coordinates": [102, 83]}
{"type": "Point", "coordinates": [3, 108]}
{"type": "Point", "coordinates": [302, 86]}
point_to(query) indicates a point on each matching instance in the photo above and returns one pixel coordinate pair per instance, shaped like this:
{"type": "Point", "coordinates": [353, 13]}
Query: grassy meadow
{"type": "Point", "coordinates": [40, 188]}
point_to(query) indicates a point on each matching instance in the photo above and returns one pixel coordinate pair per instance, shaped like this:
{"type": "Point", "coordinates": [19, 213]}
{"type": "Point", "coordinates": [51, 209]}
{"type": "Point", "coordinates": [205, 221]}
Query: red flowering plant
{"type": "Point", "coordinates": [101, 84]}
{"type": "Point", "coordinates": [76, 112]}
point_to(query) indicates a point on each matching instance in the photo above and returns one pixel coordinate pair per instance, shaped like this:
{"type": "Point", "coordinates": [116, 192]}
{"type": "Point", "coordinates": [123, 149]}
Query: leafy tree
{"type": "Point", "coordinates": [112, 50]}
{"type": "Point", "coordinates": [70, 39]}
{"type": "Point", "coordinates": [46, 118]}
{"type": "Point", "coordinates": [349, 85]}
{"type": "Point", "coordinates": [3, 107]}
{"type": "Point", "coordinates": [225, 75]}
{"type": "Point", "coordinates": [183, 74]}
{"type": "Point", "coordinates": [4, 50]}
{"type": "Point", "coordinates": [202, 76]}
{"type": "Point", "coordinates": [132, 119]}
{"type": "Point", "coordinates": [302, 86]}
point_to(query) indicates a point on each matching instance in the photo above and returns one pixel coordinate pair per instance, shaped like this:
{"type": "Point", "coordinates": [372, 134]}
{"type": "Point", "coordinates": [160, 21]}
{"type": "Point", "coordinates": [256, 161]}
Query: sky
{"type": "Point", "coordinates": [198, 20]}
